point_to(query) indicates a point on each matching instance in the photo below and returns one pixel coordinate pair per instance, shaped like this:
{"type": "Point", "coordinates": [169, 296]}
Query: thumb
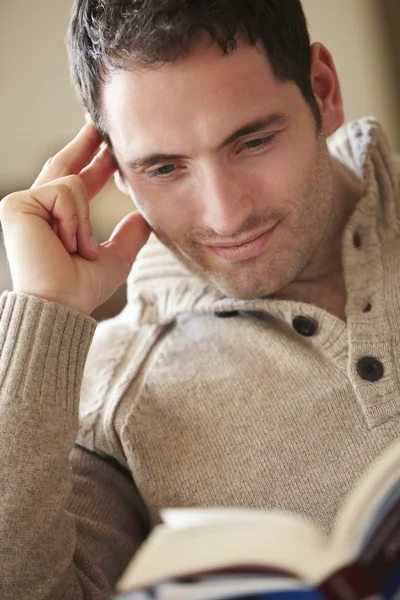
{"type": "Point", "coordinates": [127, 239]}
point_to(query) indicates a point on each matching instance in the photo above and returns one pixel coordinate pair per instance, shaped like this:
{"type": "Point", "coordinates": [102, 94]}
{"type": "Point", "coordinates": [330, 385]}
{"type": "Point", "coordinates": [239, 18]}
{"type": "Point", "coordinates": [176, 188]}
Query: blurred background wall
{"type": "Point", "coordinates": [39, 112]}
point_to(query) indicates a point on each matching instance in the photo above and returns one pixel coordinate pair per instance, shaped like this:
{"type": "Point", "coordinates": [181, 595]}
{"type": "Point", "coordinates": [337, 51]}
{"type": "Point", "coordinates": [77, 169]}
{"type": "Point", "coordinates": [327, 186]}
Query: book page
{"type": "Point", "coordinates": [181, 518]}
{"type": "Point", "coordinates": [228, 586]}
{"type": "Point", "coordinates": [365, 502]}
{"type": "Point", "coordinates": [268, 543]}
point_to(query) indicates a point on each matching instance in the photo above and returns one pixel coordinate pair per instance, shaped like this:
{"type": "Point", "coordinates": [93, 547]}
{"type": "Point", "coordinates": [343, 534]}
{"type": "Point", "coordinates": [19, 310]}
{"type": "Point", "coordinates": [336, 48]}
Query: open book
{"type": "Point", "coordinates": [204, 554]}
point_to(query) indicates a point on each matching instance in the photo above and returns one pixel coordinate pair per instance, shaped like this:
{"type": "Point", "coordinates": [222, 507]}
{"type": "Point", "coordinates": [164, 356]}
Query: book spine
{"type": "Point", "coordinates": [380, 557]}
{"type": "Point", "coordinates": [348, 583]}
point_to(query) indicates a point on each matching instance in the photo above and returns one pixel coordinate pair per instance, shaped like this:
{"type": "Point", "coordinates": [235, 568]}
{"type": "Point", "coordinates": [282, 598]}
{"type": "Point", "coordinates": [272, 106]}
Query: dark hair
{"type": "Point", "coordinates": [106, 34]}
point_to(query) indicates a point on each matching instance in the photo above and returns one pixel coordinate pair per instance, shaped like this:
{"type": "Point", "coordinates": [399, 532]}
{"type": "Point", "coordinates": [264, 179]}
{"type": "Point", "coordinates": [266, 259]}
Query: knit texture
{"type": "Point", "coordinates": [180, 407]}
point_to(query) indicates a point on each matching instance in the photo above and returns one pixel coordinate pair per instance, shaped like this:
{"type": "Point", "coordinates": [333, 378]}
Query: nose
{"type": "Point", "coordinates": [226, 203]}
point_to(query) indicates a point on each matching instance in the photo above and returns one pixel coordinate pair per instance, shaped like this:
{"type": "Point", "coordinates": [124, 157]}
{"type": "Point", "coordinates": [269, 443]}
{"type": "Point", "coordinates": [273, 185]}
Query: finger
{"type": "Point", "coordinates": [65, 201]}
{"type": "Point", "coordinates": [54, 227]}
{"type": "Point", "coordinates": [65, 223]}
{"type": "Point", "coordinates": [53, 203]}
{"type": "Point", "coordinates": [120, 251]}
{"type": "Point", "coordinates": [98, 172]}
{"type": "Point", "coordinates": [82, 235]}
{"type": "Point", "coordinates": [73, 158]}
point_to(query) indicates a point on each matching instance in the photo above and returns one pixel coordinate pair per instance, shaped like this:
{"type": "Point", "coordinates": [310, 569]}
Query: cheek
{"type": "Point", "coordinates": [290, 170]}
{"type": "Point", "coordinates": [276, 181]}
{"type": "Point", "coordinates": [165, 210]}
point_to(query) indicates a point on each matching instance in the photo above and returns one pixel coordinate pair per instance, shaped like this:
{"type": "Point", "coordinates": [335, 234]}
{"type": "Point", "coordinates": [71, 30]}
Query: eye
{"type": "Point", "coordinates": [255, 143]}
{"type": "Point", "coordinates": [163, 171]}
{"type": "Point", "coordinates": [258, 143]}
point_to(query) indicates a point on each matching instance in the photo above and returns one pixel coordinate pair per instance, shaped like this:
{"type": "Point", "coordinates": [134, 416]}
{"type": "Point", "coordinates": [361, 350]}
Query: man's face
{"type": "Point", "coordinates": [225, 164]}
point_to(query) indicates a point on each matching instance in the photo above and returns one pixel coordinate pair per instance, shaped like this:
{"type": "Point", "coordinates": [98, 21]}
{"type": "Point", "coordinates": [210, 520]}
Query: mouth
{"type": "Point", "coordinates": [245, 249]}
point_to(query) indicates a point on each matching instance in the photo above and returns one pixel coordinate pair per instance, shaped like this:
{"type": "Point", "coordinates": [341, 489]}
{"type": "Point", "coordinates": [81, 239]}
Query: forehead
{"type": "Point", "coordinates": [192, 101]}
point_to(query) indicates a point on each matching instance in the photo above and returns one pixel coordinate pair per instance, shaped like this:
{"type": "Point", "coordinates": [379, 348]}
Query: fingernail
{"type": "Point", "coordinates": [94, 245]}
{"type": "Point", "coordinates": [88, 118]}
{"type": "Point", "coordinates": [75, 243]}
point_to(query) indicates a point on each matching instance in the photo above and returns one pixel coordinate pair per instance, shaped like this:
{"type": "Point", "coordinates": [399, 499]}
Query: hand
{"type": "Point", "coordinates": [48, 234]}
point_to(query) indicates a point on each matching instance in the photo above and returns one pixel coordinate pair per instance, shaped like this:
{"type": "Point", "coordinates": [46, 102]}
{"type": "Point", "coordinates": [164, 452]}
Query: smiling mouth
{"type": "Point", "coordinates": [236, 243]}
{"type": "Point", "coordinates": [244, 249]}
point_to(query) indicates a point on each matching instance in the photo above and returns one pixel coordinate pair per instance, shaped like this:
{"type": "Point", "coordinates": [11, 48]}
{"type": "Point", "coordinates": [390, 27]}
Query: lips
{"type": "Point", "coordinates": [243, 250]}
{"type": "Point", "coordinates": [238, 244]}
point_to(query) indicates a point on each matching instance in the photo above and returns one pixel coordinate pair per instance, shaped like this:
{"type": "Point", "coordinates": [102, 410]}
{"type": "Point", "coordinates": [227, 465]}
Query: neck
{"type": "Point", "coordinates": [322, 282]}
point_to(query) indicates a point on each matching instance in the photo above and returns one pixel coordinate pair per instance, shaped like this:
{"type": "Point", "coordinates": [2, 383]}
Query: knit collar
{"type": "Point", "coordinates": [160, 288]}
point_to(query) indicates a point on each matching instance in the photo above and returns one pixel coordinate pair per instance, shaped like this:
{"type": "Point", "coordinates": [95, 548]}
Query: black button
{"type": "Point", "coordinates": [370, 368]}
{"type": "Point", "coordinates": [227, 314]}
{"type": "Point", "coordinates": [304, 326]}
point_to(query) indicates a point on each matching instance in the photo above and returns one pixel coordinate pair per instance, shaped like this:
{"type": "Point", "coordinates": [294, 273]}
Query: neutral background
{"type": "Point", "coordinates": [39, 111]}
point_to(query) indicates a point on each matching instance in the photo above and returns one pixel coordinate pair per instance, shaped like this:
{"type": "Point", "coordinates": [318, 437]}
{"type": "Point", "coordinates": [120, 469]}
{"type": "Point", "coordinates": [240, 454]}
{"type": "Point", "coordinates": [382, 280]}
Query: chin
{"type": "Point", "coordinates": [233, 289]}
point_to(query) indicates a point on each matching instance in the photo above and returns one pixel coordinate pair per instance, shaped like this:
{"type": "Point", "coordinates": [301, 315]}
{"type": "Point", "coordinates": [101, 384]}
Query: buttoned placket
{"type": "Point", "coordinates": [371, 367]}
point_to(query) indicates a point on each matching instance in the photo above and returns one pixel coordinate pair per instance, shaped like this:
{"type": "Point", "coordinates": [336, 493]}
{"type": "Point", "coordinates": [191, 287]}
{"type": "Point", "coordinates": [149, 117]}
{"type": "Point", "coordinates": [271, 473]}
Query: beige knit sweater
{"type": "Point", "coordinates": [180, 407]}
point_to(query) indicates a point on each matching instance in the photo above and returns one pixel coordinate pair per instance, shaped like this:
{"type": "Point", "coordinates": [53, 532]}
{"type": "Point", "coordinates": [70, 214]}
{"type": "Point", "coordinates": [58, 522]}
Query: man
{"type": "Point", "coordinates": [256, 363]}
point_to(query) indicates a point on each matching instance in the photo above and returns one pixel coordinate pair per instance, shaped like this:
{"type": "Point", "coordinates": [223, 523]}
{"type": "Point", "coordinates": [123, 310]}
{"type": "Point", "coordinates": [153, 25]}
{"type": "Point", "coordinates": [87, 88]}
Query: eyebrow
{"type": "Point", "coordinates": [277, 119]}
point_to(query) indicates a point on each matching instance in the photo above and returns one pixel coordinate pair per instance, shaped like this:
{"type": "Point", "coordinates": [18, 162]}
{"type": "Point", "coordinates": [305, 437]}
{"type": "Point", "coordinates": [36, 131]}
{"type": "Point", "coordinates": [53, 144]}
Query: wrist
{"type": "Point", "coordinates": [69, 303]}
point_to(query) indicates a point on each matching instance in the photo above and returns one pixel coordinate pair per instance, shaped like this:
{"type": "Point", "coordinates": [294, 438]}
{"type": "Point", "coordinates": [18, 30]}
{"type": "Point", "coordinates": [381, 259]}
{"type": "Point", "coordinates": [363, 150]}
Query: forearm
{"type": "Point", "coordinates": [43, 351]}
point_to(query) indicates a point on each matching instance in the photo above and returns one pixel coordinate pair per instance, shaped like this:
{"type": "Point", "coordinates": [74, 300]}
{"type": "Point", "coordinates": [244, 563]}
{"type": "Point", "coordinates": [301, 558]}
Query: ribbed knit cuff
{"type": "Point", "coordinates": [43, 349]}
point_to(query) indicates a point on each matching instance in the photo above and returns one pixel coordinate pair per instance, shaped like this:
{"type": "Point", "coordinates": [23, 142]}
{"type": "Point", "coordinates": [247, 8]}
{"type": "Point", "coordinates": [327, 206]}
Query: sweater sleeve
{"type": "Point", "coordinates": [70, 519]}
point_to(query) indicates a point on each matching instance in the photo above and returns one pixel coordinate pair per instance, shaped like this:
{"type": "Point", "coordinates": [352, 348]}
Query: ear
{"type": "Point", "coordinates": [326, 86]}
{"type": "Point", "coordinates": [120, 183]}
